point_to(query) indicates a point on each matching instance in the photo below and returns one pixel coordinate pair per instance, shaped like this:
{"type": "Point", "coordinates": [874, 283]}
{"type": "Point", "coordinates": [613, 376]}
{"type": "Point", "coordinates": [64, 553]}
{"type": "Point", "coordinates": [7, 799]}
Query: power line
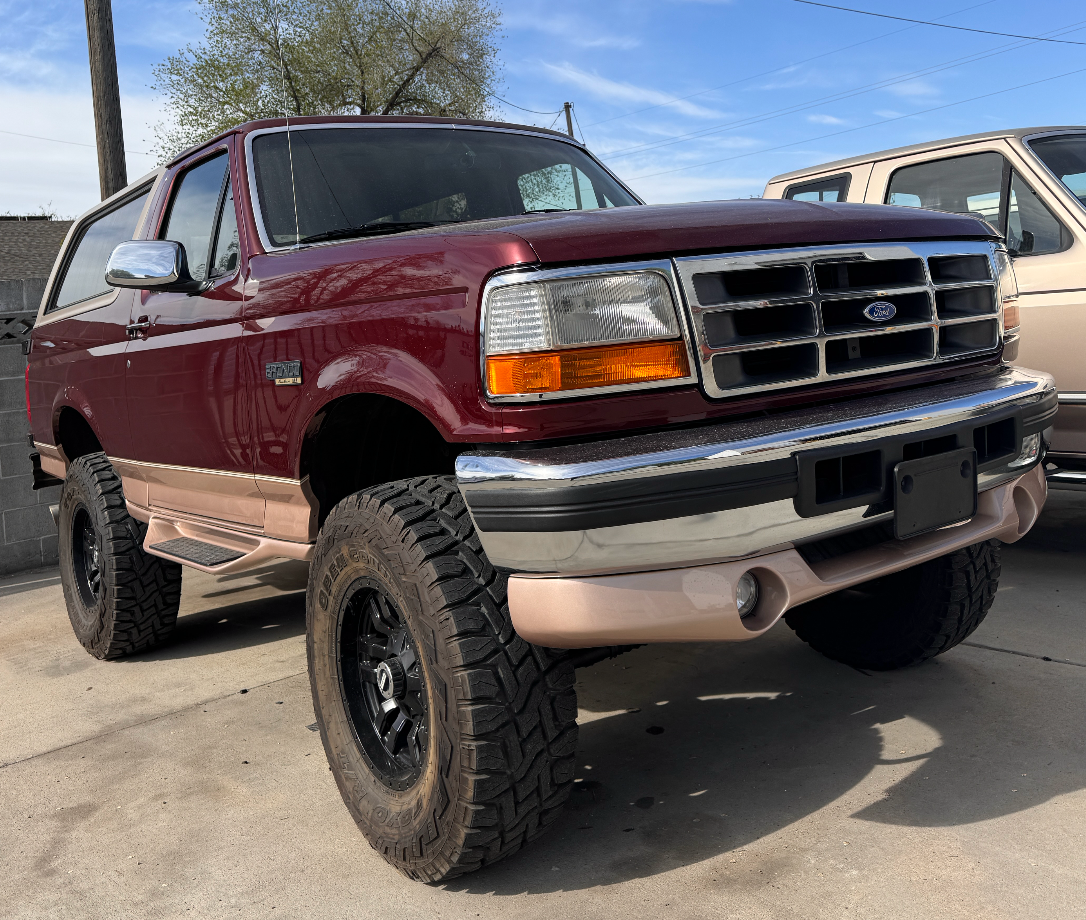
{"type": "Point", "coordinates": [938, 25]}
{"type": "Point", "coordinates": [834, 97]}
{"type": "Point", "coordinates": [766, 73]}
{"type": "Point", "coordinates": [873, 124]}
{"type": "Point", "coordinates": [57, 140]}
{"type": "Point", "coordinates": [452, 64]}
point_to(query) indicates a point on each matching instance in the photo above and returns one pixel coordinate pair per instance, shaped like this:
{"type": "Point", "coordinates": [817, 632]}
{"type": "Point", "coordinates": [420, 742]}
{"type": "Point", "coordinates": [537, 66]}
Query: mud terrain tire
{"type": "Point", "coordinates": [120, 599]}
{"type": "Point", "coordinates": [905, 618]}
{"type": "Point", "coordinates": [483, 759]}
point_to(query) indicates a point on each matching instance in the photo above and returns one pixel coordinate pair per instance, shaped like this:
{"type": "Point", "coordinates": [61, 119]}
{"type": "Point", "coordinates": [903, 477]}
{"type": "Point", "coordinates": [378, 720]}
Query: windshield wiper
{"type": "Point", "coordinates": [372, 229]}
{"type": "Point", "coordinates": [548, 210]}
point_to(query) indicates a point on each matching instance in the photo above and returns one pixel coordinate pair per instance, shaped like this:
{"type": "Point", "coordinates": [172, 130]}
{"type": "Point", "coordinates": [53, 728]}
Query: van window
{"type": "Point", "coordinates": [85, 276]}
{"type": "Point", "coordinates": [1031, 228]}
{"type": "Point", "coordinates": [968, 185]}
{"type": "Point", "coordinates": [1065, 155]}
{"type": "Point", "coordinates": [834, 188]}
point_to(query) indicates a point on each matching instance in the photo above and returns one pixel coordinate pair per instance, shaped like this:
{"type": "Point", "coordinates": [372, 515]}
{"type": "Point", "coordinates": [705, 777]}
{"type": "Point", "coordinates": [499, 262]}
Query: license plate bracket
{"type": "Point", "coordinates": [933, 492]}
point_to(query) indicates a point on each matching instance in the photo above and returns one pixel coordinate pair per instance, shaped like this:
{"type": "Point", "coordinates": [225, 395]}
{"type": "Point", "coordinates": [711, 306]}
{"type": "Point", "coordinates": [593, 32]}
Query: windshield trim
{"type": "Point", "coordinates": [1062, 186]}
{"type": "Point", "coordinates": [254, 197]}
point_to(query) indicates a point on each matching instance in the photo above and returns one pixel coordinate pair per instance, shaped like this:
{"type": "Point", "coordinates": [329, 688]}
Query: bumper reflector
{"type": "Point", "coordinates": [582, 368]}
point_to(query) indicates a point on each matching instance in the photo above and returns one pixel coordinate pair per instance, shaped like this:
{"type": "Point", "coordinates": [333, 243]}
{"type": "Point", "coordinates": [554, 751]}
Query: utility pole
{"type": "Point", "coordinates": [567, 106]}
{"type": "Point", "coordinates": [112, 172]}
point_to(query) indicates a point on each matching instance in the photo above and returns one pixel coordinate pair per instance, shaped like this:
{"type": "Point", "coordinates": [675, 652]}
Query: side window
{"type": "Point", "coordinates": [194, 210]}
{"type": "Point", "coordinates": [1031, 228]}
{"type": "Point", "coordinates": [834, 188]}
{"type": "Point", "coordinates": [85, 276]}
{"type": "Point", "coordinates": [561, 187]}
{"type": "Point", "coordinates": [969, 185]}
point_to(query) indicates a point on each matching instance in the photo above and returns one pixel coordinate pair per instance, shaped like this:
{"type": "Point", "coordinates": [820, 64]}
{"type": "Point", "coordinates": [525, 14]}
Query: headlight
{"type": "Point", "coordinates": [576, 333]}
{"type": "Point", "coordinates": [1008, 290]}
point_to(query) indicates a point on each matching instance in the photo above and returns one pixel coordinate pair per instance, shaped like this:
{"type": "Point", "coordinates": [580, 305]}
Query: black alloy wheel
{"type": "Point", "coordinates": [86, 556]}
{"type": "Point", "coordinates": [382, 684]}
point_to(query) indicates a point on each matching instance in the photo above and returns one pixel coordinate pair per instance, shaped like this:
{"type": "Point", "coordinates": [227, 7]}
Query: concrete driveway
{"type": "Point", "coordinates": [755, 780]}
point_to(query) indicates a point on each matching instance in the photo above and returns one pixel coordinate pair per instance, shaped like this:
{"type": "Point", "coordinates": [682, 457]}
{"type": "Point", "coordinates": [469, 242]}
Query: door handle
{"type": "Point", "coordinates": [138, 328]}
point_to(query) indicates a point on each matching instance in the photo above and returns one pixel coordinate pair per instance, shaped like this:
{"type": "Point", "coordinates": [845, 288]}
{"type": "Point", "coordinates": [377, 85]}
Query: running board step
{"type": "Point", "coordinates": [215, 549]}
{"type": "Point", "coordinates": [197, 552]}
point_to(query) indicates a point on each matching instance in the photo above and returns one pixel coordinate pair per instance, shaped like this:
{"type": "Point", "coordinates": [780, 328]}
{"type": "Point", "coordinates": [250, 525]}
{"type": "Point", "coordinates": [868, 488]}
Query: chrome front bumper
{"type": "Point", "coordinates": [724, 491]}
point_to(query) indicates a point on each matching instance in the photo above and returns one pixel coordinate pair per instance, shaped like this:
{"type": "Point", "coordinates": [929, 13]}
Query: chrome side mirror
{"type": "Point", "coordinates": [159, 265]}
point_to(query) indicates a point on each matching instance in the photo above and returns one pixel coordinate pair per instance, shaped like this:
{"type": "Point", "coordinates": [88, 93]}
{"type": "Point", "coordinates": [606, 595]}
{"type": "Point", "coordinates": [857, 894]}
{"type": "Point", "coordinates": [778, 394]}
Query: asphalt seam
{"type": "Point", "coordinates": [1011, 651]}
{"type": "Point", "coordinates": [164, 715]}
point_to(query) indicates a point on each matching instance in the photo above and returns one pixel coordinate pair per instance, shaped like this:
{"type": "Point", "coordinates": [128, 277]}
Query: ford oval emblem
{"type": "Point", "coordinates": [880, 311]}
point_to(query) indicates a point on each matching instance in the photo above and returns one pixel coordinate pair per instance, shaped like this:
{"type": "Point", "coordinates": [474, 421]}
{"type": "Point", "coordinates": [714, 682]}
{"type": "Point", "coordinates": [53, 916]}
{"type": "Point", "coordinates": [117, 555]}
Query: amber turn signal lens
{"type": "Point", "coordinates": [582, 368]}
{"type": "Point", "coordinates": [1011, 317]}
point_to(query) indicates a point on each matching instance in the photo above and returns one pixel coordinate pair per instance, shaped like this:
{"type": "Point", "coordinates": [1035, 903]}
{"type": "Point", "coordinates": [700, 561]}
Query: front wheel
{"type": "Point", "coordinates": [452, 740]}
{"type": "Point", "coordinates": [904, 618]}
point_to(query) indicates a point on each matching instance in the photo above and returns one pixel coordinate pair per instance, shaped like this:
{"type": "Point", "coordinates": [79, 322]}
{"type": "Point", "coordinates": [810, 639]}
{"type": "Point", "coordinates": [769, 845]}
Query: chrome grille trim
{"type": "Point", "coordinates": [807, 258]}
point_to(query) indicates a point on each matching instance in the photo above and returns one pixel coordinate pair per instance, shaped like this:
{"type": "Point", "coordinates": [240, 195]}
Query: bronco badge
{"type": "Point", "coordinates": [880, 311]}
{"type": "Point", "coordinates": [284, 373]}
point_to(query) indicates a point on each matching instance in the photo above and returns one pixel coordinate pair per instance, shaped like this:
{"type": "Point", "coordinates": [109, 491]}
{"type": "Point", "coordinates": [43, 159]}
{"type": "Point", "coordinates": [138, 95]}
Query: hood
{"type": "Point", "coordinates": [715, 226]}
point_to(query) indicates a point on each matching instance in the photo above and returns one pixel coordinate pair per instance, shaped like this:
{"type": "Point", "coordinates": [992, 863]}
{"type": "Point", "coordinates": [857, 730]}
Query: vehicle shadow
{"type": "Point", "coordinates": [756, 739]}
{"type": "Point", "coordinates": [728, 744]}
{"type": "Point", "coordinates": [209, 623]}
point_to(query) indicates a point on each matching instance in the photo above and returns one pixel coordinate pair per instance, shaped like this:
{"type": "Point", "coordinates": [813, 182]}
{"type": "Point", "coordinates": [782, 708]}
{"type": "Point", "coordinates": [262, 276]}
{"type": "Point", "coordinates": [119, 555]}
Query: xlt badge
{"type": "Point", "coordinates": [284, 373]}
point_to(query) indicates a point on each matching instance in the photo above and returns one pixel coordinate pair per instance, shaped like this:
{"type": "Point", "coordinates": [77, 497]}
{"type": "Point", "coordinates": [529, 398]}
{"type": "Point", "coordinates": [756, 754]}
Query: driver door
{"type": "Point", "coordinates": [186, 394]}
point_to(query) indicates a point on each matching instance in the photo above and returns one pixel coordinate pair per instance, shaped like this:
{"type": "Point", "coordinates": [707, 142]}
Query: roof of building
{"type": "Point", "coordinates": [920, 148]}
{"type": "Point", "coordinates": [28, 248]}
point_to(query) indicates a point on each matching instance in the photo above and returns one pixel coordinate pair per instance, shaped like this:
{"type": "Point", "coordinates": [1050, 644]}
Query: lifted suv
{"type": "Point", "coordinates": [516, 420]}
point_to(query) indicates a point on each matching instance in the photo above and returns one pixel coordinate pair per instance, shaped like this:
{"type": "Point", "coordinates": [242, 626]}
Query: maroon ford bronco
{"type": "Point", "coordinates": [517, 421]}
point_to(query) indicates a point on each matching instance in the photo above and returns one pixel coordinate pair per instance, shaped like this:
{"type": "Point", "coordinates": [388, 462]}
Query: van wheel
{"type": "Point", "coordinates": [120, 599]}
{"type": "Point", "coordinates": [452, 739]}
{"type": "Point", "coordinates": [904, 618]}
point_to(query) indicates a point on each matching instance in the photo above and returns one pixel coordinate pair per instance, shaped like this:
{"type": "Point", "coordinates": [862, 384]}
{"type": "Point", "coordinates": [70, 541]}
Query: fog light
{"type": "Point", "coordinates": [1031, 450]}
{"type": "Point", "coordinates": [746, 595]}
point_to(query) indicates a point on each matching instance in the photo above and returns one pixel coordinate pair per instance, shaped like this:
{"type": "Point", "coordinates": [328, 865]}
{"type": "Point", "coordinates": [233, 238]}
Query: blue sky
{"type": "Point", "coordinates": [685, 99]}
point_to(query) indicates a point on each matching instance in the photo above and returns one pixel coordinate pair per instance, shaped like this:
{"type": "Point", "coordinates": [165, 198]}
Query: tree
{"type": "Point", "coordinates": [271, 58]}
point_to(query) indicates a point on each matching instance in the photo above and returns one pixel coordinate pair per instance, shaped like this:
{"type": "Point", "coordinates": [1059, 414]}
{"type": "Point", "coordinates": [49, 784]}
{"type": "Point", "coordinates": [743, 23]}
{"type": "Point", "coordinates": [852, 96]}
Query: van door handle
{"type": "Point", "coordinates": [139, 328]}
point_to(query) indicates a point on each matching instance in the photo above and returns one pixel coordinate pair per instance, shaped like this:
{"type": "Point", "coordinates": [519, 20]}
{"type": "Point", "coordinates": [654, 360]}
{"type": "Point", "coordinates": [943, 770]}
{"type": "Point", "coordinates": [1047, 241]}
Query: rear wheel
{"type": "Point", "coordinates": [120, 599]}
{"type": "Point", "coordinates": [452, 739]}
{"type": "Point", "coordinates": [904, 618]}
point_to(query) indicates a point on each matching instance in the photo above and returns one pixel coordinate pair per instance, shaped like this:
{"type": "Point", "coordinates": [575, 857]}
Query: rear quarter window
{"type": "Point", "coordinates": [832, 188]}
{"type": "Point", "coordinates": [85, 273]}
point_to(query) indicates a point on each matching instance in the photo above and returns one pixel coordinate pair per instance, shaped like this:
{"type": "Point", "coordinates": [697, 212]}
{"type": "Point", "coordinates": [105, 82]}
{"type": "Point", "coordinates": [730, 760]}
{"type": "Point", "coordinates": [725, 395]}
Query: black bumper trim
{"type": "Point", "coordinates": [634, 501]}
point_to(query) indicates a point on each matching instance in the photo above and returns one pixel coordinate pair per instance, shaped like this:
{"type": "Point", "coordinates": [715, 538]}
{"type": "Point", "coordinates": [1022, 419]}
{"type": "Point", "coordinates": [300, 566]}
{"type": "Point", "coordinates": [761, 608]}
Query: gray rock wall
{"type": "Point", "coordinates": [28, 538]}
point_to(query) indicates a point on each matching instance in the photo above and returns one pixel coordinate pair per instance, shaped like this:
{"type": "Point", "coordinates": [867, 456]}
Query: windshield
{"type": "Point", "coordinates": [1065, 155]}
{"type": "Point", "coordinates": [366, 181]}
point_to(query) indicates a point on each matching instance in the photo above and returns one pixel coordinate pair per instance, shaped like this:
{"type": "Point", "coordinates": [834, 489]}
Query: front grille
{"type": "Point", "coordinates": [767, 320]}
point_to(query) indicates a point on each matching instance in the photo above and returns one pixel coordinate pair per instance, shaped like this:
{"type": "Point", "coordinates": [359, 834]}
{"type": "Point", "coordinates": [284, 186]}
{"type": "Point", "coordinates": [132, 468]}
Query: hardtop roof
{"type": "Point", "coordinates": [302, 121]}
{"type": "Point", "coordinates": [920, 148]}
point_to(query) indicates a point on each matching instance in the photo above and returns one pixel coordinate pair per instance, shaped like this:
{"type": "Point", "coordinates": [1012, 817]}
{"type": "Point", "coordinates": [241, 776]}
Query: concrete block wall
{"type": "Point", "coordinates": [28, 538]}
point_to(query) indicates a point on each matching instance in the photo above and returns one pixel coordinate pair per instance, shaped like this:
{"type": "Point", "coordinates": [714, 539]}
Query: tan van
{"type": "Point", "coordinates": [1030, 183]}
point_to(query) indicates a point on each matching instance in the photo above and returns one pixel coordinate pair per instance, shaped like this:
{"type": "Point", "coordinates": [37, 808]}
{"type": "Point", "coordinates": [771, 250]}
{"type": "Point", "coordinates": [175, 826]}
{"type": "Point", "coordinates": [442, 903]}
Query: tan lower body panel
{"type": "Point", "coordinates": [52, 460]}
{"type": "Point", "coordinates": [280, 509]}
{"type": "Point", "coordinates": [698, 604]}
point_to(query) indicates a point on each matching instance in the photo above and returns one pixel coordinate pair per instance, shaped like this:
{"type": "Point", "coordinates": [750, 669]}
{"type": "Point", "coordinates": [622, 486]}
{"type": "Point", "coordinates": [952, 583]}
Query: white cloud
{"type": "Point", "coordinates": [888, 113]}
{"type": "Point", "coordinates": [826, 120]}
{"type": "Point", "coordinates": [574, 30]}
{"type": "Point", "coordinates": [629, 93]}
{"type": "Point", "coordinates": [38, 173]}
{"type": "Point", "coordinates": [914, 89]}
